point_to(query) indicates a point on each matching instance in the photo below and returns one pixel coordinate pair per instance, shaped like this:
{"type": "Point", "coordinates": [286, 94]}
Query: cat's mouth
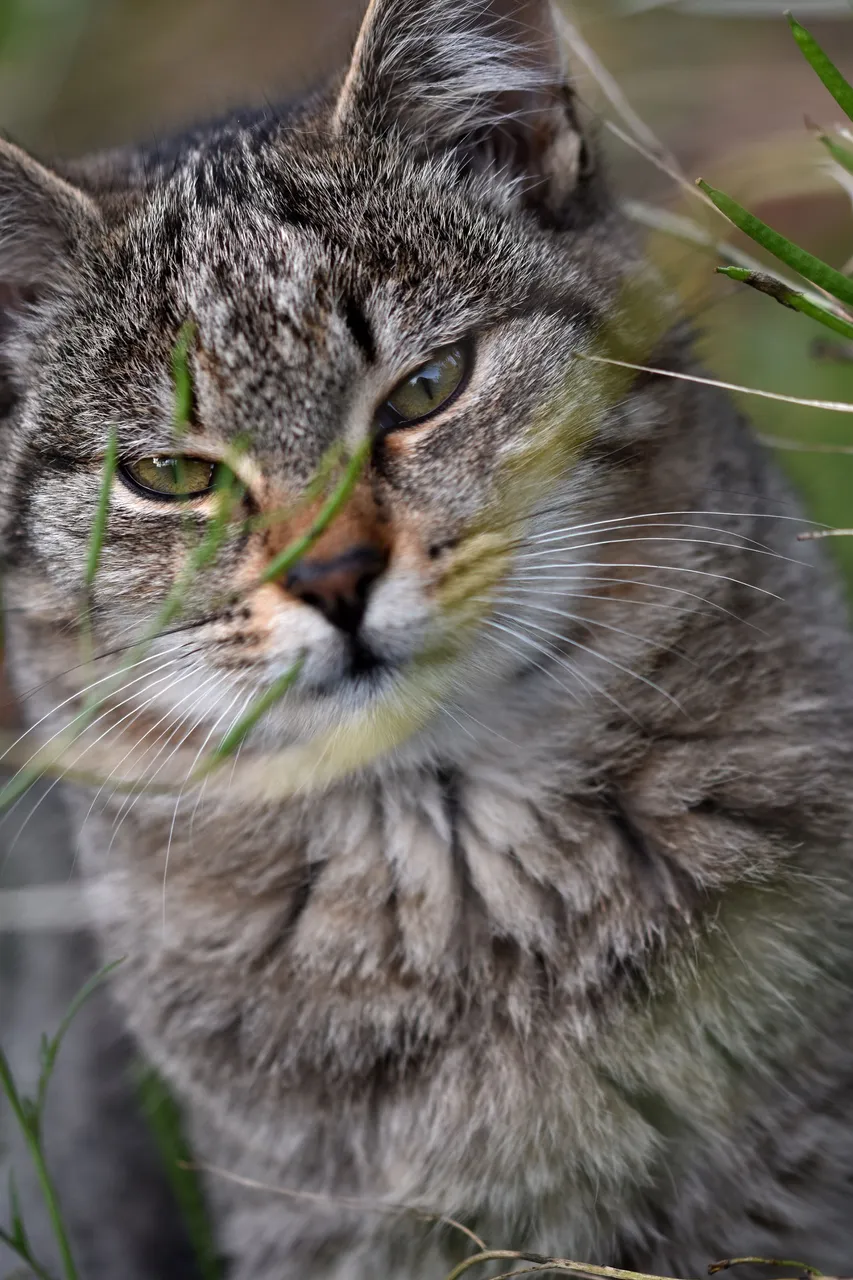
{"type": "Point", "coordinates": [362, 669]}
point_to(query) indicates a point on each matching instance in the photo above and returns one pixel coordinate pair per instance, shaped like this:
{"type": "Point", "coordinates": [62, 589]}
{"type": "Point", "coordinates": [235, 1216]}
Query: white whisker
{"type": "Point", "coordinates": [601, 658]}
{"type": "Point", "coordinates": [655, 515]}
{"type": "Point", "coordinates": [173, 723]}
{"type": "Point", "coordinates": [554, 535]}
{"type": "Point", "coordinates": [553, 655]}
{"type": "Point", "coordinates": [532, 575]}
{"type": "Point", "coordinates": [81, 693]}
{"type": "Point", "coordinates": [129, 803]}
{"type": "Point", "coordinates": [834, 406]}
{"type": "Point", "coordinates": [235, 721]}
{"type": "Point", "coordinates": [133, 716]}
{"type": "Point", "coordinates": [591, 622]}
{"type": "Point", "coordinates": [181, 793]}
{"type": "Point", "coordinates": [669, 568]}
{"type": "Point", "coordinates": [76, 738]}
{"type": "Point", "coordinates": [81, 755]}
{"type": "Point", "coordinates": [681, 610]}
{"type": "Point", "coordinates": [692, 542]}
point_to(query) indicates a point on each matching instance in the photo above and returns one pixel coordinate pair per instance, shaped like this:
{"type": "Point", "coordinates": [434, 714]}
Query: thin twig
{"type": "Point", "coordinates": [350, 1202]}
{"type": "Point", "coordinates": [587, 1269]}
{"type": "Point", "coordinates": [835, 406]}
{"type": "Point", "coordinates": [802, 446]}
{"type": "Point", "coordinates": [714, 1267]}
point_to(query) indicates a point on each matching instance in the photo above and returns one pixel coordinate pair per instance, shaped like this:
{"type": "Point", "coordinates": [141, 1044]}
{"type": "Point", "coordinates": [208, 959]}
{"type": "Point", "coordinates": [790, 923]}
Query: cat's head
{"type": "Point", "coordinates": [413, 260]}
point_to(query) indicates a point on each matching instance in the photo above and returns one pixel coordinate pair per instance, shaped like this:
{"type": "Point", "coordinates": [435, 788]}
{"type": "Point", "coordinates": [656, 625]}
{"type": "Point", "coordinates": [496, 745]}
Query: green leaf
{"type": "Point", "coordinates": [825, 68]}
{"type": "Point", "coordinates": [788, 297]}
{"type": "Point", "coordinates": [808, 266]}
{"type": "Point", "coordinates": [840, 153]}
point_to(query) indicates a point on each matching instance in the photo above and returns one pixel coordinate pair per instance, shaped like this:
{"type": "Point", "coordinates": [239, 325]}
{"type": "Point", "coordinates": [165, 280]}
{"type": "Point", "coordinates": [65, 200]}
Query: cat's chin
{"type": "Point", "coordinates": [365, 678]}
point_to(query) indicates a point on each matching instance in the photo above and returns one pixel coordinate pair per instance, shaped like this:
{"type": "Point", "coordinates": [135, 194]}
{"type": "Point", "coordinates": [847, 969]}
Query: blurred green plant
{"type": "Point", "coordinates": [837, 312]}
{"type": "Point", "coordinates": [166, 1124]}
{"type": "Point", "coordinates": [29, 1115]}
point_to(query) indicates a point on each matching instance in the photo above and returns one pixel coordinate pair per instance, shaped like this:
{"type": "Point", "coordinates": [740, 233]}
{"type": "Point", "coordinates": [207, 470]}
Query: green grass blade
{"type": "Point", "coordinates": [34, 1267]}
{"type": "Point", "coordinates": [244, 726]}
{"type": "Point", "coordinates": [23, 1117]}
{"type": "Point", "coordinates": [51, 1047]}
{"type": "Point", "coordinates": [98, 532]}
{"type": "Point", "coordinates": [841, 154]}
{"type": "Point", "coordinates": [294, 553]}
{"type": "Point", "coordinates": [808, 266]}
{"type": "Point", "coordinates": [164, 1120]}
{"type": "Point", "coordinates": [788, 297]}
{"type": "Point", "coordinates": [182, 377]}
{"type": "Point", "coordinates": [825, 68]}
{"type": "Point", "coordinates": [29, 1116]}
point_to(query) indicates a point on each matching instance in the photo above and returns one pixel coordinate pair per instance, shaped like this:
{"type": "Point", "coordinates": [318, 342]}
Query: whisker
{"type": "Point", "coordinates": [111, 728]}
{"type": "Point", "coordinates": [532, 575]}
{"type": "Point", "coordinates": [682, 610]}
{"type": "Point", "coordinates": [540, 539]}
{"type": "Point", "coordinates": [234, 722]}
{"type": "Point", "coordinates": [602, 658]}
{"type": "Point", "coordinates": [669, 568]}
{"type": "Point", "coordinates": [835, 406]}
{"type": "Point", "coordinates": [181, 793]}
{"type": "Point", "coordinates": [116, 652]}
{"type": "Point", "coordinates": [133, 716]}
{"type": "Point", "coordinates": [170, 718]}
{"type": "Point", "coordinates": [692, 542]}
{"type": "Point", "coordinates": [81, 693]}
{"type": "Point", "coordinates": [586, 681]}
{"type": "Point", "coordinates": [130, 801]}
{"type": "Point", "coordinates": [654, 515]}
{"type": "Point", "coordinates": [488, 728]}
{"type": "Point", "coordinates": [592, 622]}
{"type": "Point", "coordinates": [518, 653]}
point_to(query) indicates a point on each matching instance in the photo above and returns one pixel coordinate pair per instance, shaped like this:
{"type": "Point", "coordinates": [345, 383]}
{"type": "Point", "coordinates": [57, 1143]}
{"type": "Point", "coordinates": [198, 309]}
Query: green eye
{"type": "Point", "coordinates": [428, 389]}
{"type": "Point", "coordinates": [171, 478]}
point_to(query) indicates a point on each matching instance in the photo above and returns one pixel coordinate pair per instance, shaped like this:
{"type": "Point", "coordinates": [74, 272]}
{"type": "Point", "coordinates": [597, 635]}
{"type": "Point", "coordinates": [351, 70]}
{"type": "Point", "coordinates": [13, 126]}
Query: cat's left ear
{"type": "Point", "coordinates": [485, 77]}
{"type": "Point", "coordinates": [43, 222]}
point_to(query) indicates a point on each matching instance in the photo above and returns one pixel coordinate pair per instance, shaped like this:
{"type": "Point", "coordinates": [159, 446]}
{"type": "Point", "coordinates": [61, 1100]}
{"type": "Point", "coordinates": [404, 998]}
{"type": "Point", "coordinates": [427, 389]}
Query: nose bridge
{"type": "Point", "coordinates": [359, 523]}
{"type": "Point", "coordinates": [337, 573]}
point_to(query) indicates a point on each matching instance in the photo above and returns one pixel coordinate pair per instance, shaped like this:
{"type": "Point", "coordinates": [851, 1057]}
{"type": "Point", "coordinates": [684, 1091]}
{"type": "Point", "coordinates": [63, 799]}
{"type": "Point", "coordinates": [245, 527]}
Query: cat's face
{"type": "Point", "coordinates": [407, 269]}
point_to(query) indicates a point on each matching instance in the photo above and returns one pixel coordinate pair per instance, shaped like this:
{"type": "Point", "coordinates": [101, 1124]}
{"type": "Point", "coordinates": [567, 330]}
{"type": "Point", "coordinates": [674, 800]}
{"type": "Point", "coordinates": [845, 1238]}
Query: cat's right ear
{"type": "Point", "coordinates": [43, 222]}
{"type": "Point", "coordinates": [485, 79]}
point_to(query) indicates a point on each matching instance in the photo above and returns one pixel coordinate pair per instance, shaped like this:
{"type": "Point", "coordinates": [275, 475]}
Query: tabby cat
{"type": "Point", "coordinates": [530, 903]}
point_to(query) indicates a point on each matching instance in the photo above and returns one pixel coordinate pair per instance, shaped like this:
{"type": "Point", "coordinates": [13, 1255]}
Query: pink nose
{"type": "Point", "coordinates": [339, 588]}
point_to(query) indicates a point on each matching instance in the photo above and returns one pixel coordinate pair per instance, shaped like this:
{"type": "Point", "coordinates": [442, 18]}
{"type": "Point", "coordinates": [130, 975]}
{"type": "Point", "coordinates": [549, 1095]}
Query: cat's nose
{"type": "Point", "coordinates": [339, 588]}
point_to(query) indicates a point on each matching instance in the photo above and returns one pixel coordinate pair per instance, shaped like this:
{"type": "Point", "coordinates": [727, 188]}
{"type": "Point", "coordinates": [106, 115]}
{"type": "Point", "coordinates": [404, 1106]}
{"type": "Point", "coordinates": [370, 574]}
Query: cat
{"type": "Point", "coordinates": [529, 903]}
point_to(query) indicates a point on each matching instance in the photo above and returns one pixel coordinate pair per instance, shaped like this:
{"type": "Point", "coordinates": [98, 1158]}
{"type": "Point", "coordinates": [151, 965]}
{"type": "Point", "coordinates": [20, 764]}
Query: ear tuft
{"type": "Point", "coordinates": [486, 77]}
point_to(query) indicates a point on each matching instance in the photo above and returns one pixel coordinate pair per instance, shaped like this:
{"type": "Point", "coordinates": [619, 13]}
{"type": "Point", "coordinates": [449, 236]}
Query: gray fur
{"type": "Point", "coordinates": [570, 959]}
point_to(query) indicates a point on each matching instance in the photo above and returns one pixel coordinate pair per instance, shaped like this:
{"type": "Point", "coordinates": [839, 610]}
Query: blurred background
{"type": "Point", "coordinates": [721, 82]}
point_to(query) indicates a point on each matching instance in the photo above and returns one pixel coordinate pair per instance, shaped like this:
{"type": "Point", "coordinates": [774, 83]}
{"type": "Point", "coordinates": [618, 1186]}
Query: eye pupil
{"type": "Point", "coordinates": [428, 389]}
